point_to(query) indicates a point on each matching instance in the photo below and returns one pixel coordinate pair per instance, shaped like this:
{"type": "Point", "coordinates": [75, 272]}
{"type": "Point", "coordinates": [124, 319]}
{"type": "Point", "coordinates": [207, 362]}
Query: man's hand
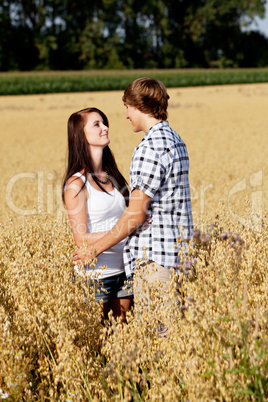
{"type": "Point", "coordinates": [86, 255]}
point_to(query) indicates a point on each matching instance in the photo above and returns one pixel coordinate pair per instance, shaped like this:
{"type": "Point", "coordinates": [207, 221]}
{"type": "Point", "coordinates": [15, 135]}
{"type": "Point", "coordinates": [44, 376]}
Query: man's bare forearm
{"type": "Point", "coordinates": [123, 228]}
{"type": "Point", "coordinates": [90, 238]}
{"type": "Point", "coordinates": [131, 219]}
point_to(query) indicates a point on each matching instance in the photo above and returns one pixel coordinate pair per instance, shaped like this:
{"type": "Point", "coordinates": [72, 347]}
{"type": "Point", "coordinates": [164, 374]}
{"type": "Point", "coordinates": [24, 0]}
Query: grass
{"type": "Point", "coordinates": [85, 81]}
{"type": "Point", "coordinates": [54, 347]}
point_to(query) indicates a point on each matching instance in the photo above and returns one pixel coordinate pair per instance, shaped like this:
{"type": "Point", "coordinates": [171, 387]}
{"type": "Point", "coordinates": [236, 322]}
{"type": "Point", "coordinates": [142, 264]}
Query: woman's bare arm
{"type": "Point", "coordinates": [76, 205]}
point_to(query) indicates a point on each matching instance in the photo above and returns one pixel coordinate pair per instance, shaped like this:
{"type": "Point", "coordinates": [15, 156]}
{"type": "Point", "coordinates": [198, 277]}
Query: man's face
{"type": "Point", "coordinates": [135, 116]}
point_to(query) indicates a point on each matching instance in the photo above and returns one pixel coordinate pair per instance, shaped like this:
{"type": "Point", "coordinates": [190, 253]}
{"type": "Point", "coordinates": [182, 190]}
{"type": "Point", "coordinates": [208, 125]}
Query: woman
{"type": "Point", "coordinates": [95, 195]}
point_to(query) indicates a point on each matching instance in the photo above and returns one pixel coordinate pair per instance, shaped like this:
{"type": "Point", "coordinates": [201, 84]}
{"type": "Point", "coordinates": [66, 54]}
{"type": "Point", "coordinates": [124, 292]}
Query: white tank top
{"type": "Point", "coordinates": [103, 211]}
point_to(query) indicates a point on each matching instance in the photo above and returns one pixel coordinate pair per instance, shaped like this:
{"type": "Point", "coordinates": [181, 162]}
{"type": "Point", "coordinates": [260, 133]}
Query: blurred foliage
{"type": "Point", "coordinates": [116, 34]}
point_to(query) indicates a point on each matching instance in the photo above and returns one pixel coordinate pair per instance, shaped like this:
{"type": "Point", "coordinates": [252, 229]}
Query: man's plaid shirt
{"type": "Point", "coordinates": [159, 168]}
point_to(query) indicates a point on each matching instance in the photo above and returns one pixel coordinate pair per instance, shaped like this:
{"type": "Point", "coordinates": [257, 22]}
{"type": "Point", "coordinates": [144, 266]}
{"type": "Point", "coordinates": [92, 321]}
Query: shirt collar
{"type": "Point", "coordinates": [155, 127]}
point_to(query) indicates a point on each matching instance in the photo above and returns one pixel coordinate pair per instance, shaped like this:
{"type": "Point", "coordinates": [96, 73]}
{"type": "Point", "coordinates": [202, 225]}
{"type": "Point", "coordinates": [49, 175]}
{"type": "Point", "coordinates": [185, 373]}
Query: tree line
{"type": "Point", "coordinates": [129, 34]}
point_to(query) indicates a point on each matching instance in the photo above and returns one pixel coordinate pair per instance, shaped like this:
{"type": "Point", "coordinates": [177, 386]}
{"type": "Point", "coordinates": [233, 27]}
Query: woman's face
{"type": "Point", "coordinates": [95, 131]}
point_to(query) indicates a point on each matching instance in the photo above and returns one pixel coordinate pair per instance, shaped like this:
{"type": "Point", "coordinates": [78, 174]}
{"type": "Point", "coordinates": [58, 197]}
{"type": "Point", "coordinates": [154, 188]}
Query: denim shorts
{"type": "Point", "coordinates": [114, 287]}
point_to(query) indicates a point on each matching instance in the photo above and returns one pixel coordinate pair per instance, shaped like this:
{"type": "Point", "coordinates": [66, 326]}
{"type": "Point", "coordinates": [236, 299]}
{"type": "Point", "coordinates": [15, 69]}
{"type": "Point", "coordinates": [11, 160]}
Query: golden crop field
{"type": "Point", "coordinates": [224, 127]}
{"type": "Point", "coordinates": [52, 343]}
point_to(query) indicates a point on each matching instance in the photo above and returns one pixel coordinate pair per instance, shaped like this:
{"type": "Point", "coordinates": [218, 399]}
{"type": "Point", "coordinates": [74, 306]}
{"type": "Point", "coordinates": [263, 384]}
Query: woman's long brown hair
{"type": "Point", "coordinates": [79, 158]}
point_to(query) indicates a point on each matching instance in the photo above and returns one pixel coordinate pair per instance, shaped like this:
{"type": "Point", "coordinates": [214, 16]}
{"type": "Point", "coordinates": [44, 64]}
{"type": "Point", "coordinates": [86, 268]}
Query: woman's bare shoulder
{"type": "Point", "coordinates": [73, 188]}
{"type": "Point", "coordinates": [75, 180]}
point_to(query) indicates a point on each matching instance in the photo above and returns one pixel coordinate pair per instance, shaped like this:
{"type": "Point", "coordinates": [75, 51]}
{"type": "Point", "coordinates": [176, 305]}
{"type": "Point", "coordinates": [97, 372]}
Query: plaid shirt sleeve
{"type": "Point", "coordinates": [146, 171]}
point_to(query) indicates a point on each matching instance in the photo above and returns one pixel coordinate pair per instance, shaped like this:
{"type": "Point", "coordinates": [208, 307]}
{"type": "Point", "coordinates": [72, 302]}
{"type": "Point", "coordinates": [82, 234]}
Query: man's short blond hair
{"type": "Point", "coordinates": [149, 96]}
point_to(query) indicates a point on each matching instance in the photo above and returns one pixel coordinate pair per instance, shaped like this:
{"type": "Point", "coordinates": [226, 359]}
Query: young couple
{"type": "Point", "coordinates": [96, 194]}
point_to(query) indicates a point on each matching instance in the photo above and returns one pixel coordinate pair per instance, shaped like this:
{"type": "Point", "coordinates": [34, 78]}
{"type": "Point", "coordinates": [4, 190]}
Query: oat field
{"type": "Point", "coordinates": [53, 345]}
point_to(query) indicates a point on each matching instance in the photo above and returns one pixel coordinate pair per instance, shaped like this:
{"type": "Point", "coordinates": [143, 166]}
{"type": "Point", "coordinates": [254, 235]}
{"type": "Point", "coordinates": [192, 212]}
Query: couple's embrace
{"type": "Point", "coordinates": [118, 224]}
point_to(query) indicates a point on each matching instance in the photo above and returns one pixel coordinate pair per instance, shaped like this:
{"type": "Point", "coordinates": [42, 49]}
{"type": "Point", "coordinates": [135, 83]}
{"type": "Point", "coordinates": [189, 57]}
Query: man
{"type": "Point", "coordinates": [159, 186]}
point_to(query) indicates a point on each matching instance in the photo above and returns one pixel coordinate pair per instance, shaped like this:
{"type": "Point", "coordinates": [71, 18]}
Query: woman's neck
{"type": "Point", "coordinates": [96, 155]}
